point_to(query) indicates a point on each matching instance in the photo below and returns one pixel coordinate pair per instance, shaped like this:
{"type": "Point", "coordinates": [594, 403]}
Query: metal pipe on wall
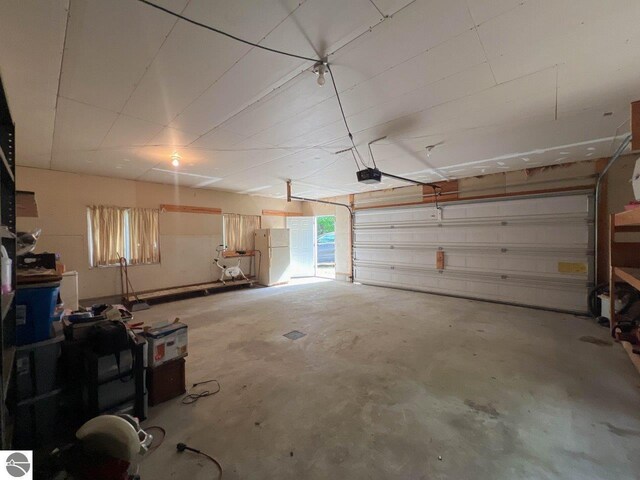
{"type": "Point", "coordinates": [615, 157]}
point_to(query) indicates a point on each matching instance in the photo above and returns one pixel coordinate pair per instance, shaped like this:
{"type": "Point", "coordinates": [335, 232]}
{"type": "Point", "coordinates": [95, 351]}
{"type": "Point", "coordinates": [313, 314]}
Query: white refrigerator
{"type": "Point", "coordinates": [274, 258]}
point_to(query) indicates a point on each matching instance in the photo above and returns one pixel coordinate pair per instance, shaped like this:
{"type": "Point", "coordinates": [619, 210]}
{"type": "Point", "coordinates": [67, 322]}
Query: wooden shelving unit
{"type": "Point", "coordinates": [624, 259]}
{"type": "Point", "coordinates": [8, 227]}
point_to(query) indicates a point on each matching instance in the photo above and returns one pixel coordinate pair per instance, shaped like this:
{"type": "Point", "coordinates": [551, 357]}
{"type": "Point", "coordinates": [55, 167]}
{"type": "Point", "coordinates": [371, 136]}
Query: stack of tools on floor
{"type": "Point", "coordinates": [70, 371]}
{"type": "Point", "coordinates": [167, 349]}
{"type": "Point", "coordinates": [627, 310]}
{"type": "Point", "coordinates": [79, 324]}
{"type": "Point", "coordinates": [107, 359]}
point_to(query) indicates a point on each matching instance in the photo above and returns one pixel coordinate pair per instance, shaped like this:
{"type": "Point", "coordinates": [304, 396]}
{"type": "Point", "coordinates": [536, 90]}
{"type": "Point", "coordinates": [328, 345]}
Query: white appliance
{"type": "Point", "coordinates": [274, 257]}
{"type": "Point", "coordinates": [69, 290]}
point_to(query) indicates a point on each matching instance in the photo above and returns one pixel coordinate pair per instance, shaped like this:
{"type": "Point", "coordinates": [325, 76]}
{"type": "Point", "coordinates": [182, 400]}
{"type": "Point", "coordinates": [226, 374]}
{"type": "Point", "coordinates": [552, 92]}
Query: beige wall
{"type": "Point", "coordinates": [187, 241]}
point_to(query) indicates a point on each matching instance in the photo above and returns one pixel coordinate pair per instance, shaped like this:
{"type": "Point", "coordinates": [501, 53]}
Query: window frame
{"type": "Point", "coordinates": [127, 243]}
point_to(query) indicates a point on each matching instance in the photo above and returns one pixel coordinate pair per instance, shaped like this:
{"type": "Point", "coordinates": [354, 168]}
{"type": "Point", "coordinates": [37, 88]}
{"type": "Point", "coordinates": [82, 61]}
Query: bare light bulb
{"type": "Point", "coordinates": [175, 160]}
{"type": "Point", "coordinates": [319, 69]}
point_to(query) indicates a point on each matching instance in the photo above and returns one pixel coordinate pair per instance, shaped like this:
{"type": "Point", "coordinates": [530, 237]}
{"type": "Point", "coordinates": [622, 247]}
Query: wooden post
{"type": "Point", "coordinates": [288, 190]}
{"type": "Point", "coordinates": [635, 125]}
{"type": "Point", "coordinates": [602, 229]}
{"type": "Point", "coordinates": [612, 275]}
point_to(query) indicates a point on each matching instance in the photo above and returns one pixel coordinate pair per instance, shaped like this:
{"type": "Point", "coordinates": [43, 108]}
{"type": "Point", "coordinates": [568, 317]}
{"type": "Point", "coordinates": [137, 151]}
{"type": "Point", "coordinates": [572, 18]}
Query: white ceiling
{"type": "Point", "coordinates": [115, 88]}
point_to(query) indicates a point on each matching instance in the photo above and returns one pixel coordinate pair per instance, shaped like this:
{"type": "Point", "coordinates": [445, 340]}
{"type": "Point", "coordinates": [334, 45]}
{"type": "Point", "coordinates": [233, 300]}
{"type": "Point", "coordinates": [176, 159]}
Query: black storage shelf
{"type": "Point", "coordinates": [7, 227]}
{"type": "Point", "coordinates": [92, 384]}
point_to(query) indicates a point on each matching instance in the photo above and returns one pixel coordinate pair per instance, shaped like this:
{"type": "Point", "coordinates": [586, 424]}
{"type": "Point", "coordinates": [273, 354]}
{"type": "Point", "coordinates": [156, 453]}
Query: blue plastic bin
{"type": "Point", "coordinates": [35, 305]}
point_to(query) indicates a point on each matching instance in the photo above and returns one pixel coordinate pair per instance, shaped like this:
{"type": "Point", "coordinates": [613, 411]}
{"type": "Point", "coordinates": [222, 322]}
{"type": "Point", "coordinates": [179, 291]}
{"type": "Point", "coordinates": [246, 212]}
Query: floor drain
{"type": "Point", "coordinates": [294, 335]}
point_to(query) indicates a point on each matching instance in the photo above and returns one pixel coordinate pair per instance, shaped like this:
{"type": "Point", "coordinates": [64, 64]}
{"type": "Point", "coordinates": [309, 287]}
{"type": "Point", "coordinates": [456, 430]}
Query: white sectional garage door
{"type": "Point", "coordinates": [535, 251]}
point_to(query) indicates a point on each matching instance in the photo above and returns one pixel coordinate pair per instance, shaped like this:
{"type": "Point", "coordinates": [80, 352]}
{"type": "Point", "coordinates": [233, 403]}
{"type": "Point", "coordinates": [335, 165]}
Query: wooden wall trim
{"type": "Point", "coordinates": [448, 192]}
{"type": "Point", "coordinates": [487, 197]}
{"type": "Point", "coordinates": [281, 213]}
{"type": "Point", "coordinates": [167, 207]}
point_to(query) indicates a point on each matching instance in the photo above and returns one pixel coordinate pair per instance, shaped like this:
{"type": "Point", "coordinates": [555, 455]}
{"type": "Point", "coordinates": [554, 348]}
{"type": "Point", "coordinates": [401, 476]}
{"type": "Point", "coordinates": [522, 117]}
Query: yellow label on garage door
{"type": "Point", "coordinates": [572, 267]}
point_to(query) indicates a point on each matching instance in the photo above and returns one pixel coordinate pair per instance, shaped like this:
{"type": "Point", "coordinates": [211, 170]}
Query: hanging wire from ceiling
{"type": "Point", "coordinates": [316, 61]}
{"type": "Point", "coordinates": [221, 32]}
{"type": "Point", "coordinates": [344, 117]}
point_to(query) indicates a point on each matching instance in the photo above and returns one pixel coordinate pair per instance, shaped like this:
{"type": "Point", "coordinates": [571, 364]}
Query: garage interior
{"type": "Point", "coordinates": [320, 239]}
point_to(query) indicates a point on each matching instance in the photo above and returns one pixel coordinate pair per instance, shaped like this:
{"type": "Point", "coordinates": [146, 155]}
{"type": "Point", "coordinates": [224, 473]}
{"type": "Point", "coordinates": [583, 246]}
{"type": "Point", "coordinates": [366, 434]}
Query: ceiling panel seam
{"type": "Point", "coordinates": [428, 108]}
{"type": "Point", "coordinates": [230, 68]}
{"type": "Point", "coordinates": [484, 50]}
{"type": "Point", "coordinates": [288, 77]}
{"type": "Point", "coordinates": [502, 13]}
{"type": "Point", "coordinates": [135, 85]}
{"type": "Point", "coordinates": [55, 108]}
{"type": "Point", "coordinates": [394, 100]}
{"type": "Point", "coordinates": [376, 7]}
{"type": "Point", "coordinates": [337, 50]}
{"type": "Point", "coordinates": [351, 87]}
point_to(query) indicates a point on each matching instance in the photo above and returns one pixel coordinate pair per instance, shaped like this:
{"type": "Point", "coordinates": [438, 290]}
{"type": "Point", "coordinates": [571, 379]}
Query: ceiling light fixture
{"type": "Point", "coordinates": [320, 69]}
{"type": "Point", "coordinates": [175, 160]}
{"type": "Point", "coordinates": [429, 148]}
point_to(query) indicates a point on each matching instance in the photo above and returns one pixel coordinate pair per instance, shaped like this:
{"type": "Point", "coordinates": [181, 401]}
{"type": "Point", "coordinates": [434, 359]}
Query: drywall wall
{"type": "Point", "coordinates": [187, 240]}
{"type": "Point", "coordinates": [619, 188]}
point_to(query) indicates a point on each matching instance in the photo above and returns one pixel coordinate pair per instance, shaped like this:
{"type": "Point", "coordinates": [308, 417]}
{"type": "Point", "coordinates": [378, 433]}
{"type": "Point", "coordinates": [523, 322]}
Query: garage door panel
{"type": "Point", "coordinates": [535, 251]}
{"type": "Point", "coordinates": [566, 299]}
{"type": "Point", "coordinates": [507, 235]}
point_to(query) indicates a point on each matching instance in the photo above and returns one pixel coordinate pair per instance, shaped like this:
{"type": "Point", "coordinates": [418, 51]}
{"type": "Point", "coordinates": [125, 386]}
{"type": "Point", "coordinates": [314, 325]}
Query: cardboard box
{"type": "Point", "coordinates": [166, 343]}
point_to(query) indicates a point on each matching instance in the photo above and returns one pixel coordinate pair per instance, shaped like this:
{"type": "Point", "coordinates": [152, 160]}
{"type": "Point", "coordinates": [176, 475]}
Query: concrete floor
{"type": "Point", "coordinates": [390, 384]}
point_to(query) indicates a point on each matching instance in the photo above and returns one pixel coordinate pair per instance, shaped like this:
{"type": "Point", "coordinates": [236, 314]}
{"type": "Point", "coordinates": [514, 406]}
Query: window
{"type": "Point", "coordinates": [114, 232]}
{"type": "Point", "coordinates": [238, 231]}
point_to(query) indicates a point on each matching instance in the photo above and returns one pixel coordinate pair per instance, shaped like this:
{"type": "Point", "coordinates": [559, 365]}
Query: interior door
{"type": "Point", "coordinates": [302, 245]}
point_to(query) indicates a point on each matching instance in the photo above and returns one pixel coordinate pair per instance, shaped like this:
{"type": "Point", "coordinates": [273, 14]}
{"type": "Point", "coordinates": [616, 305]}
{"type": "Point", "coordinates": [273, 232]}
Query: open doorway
{"type": "Point", "coordinates": [326, 246]}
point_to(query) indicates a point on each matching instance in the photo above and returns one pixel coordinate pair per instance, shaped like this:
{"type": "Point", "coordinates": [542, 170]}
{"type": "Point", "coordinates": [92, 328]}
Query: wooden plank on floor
{"type": "Point", "coordinates": [168, 292]}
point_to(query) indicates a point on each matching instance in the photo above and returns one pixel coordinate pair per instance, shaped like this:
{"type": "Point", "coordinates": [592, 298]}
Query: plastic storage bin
{"type": "Point", "coordinates": [38, 369]}
{"type": "Point", "coordinates": [38, 421]}
{"type": "Point", "coordinates": [35, 305]}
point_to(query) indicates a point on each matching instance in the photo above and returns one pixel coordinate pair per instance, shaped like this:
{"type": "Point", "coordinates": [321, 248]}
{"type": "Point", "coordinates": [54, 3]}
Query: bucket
{"type": "Point", "coordinates": [5, 272]}
{"type": "Point", "coordinates": [35, 305]}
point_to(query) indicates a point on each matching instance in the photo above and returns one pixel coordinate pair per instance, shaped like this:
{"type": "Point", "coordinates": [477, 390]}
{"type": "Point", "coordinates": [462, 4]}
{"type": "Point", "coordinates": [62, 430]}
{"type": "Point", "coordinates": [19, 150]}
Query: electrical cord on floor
{"type": "Point", "coordinates": [181, 447]}
{"type": "Point", "coordinates": [193, 397]}
{"type": "Point", "coordinates": [158, 438]}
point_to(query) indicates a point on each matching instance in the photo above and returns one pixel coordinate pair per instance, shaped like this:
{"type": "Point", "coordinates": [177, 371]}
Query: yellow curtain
{"type": "Point", "coordinates": [238, 231]}
{"type": "Point", "coordinates": [107, 234]}
{"type": "Point", "coordinates": [144, 235]}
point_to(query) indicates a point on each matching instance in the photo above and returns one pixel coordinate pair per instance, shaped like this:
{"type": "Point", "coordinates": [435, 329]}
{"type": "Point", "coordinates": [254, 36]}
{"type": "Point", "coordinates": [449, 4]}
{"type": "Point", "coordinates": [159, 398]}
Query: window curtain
{"type": "Point", "coordinates": [238, 231]}
{"type": "Point", "coordinates": [144, 235]}
{"type": "Point", "coordinates": [107, 227]}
